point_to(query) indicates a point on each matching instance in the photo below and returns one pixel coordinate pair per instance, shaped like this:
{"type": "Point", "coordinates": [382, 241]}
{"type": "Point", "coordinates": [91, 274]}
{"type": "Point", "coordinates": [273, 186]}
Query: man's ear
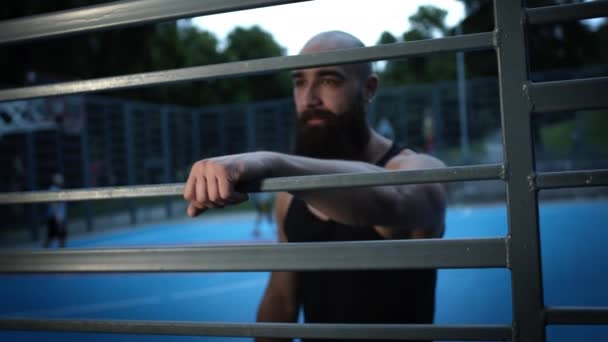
{"type": "Point", "coordinates": [371, 86]}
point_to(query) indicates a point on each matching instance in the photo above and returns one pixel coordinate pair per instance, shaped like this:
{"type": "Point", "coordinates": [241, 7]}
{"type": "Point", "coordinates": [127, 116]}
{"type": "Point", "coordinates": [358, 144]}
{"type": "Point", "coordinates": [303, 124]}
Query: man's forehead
{"type": "Point", "coordinates": [322, 46]}
{"type": "Point", "coordinates": [336, 70]}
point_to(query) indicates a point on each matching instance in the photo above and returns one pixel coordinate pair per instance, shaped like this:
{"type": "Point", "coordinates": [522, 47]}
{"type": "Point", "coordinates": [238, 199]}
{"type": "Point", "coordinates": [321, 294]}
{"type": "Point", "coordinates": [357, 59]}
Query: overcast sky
{"type": "Point", "coordinates": [292, 25]}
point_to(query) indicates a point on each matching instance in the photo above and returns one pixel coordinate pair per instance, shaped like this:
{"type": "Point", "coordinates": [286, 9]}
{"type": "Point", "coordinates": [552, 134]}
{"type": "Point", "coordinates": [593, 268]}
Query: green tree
{"type": "Point", "coordinates": [142, 49]}
{"type": "Point", "coordinates": [387, 38]}
{"type": "Point", "coordinates": [75, 57]}
{"type": "Point", "coordinates": [254, 43]}
{"type": "Point", "coordinates": [428, 22]}
{"type": "Point", "coordinates": [566, 45]}
{"type": "Point", "coordinates": [179, 46]}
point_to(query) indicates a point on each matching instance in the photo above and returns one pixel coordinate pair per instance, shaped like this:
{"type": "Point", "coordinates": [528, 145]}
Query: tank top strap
{"type": "Point", "coordinates": [394, 150]}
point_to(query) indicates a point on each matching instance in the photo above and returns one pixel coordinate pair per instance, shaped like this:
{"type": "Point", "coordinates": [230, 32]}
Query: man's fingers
{"type": "Point", "coordinates": [189, 188]}
{"type": "Point", "coordinates": [212, 191]}
{"type": "Point", "coordinates": [228, 194]}
{"type": "Point", "coordinates": [209, 186]}
{"type": "Point", "coordinates": [201, 190]}
{"type": "Point", "coordinates": [193, 210]}
{"type": "Point", "coordinates": [225, 189]}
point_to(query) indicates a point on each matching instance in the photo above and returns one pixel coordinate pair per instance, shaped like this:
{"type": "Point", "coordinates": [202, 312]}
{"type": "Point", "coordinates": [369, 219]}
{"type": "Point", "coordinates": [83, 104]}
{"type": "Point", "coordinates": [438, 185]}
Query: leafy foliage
{"type": "Point", "coordinates": [140, 49]}
{"type": "Point", "coordinates": [427, 23]}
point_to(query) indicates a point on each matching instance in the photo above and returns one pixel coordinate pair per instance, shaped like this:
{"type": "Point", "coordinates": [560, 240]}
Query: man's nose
{"type": "Point", "coordinates": [311, 97]}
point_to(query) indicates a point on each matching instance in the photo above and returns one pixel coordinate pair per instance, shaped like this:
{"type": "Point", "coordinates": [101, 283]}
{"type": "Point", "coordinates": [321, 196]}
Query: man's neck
{"type": "Point", "coordinates": [376, 148]}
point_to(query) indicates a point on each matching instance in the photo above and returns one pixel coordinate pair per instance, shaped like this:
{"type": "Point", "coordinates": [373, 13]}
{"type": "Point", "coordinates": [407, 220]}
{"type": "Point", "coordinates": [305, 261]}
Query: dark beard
{"type": "Point", "coordinates": [343, 136]}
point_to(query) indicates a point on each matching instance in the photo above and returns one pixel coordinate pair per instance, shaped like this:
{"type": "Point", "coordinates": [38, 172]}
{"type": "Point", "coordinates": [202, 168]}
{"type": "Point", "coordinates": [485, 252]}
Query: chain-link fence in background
{"type": "Point", "coordinates": [97, 142]}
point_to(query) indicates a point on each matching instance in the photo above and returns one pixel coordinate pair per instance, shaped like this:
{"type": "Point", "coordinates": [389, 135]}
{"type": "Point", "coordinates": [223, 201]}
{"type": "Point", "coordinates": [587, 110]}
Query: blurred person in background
{"type": "Point", "coordinates": [56, 215]}
{"type": "Point", "coordinates": [263, 210]}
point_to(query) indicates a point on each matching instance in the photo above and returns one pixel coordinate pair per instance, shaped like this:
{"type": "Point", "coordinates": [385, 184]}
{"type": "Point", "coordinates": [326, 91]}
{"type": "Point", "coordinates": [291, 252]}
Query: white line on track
{"type": "Point", "coordinates": [79, 310]}
{"type": "Point", "coordinates": [218, 289]}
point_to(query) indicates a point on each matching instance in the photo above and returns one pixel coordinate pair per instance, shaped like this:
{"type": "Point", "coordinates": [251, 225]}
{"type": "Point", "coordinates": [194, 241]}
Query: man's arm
{"type": "Point", "coordinates": [279, 303]}
{"type": "Point", "coordinates": [424, 204]}
{"type": "Point", "coordinates": [211, 184]}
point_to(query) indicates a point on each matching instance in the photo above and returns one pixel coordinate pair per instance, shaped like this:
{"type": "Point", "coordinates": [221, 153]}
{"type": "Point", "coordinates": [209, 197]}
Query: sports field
{"type": "Point", "coordinates": [574, 244]}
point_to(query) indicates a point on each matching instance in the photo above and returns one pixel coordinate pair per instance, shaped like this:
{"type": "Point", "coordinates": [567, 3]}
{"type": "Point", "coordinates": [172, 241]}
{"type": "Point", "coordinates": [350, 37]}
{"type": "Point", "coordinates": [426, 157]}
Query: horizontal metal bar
{"type": "Point", "coordinates": [571, 179]}
{"type": "Point", "coordinates": [393, 254]}
{"type": "Point", "coordinates": [569, 12]}
{"type": "Point", "coordinates": [277, 330]}
{"type": "Point", "coordinates": [450, 174]}
{"type": "Point", "coordinates": [469, 42]}
{"type": "Point", "coordinates": [119, 14]}
{"type": "Point", "coordinates": [576, 315]}
{"type": "Point", "coordinates": [138, 191]}
{"type": "Point", "coordinates": [568, 95]}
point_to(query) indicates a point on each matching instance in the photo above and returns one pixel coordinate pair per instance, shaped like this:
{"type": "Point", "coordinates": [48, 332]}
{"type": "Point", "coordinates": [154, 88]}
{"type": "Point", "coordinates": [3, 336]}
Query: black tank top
{"type": "Point", "coordinates": [403, 296]}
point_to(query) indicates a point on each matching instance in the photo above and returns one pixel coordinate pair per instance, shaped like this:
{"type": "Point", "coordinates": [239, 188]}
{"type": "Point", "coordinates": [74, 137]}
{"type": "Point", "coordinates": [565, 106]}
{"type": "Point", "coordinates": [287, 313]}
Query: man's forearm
{"type": "Point", "coordinates": [359, 206]}
{"type": "Point", "coordinates": [285, 165]}
{"type": "Point", "coordinates": [387, 206]}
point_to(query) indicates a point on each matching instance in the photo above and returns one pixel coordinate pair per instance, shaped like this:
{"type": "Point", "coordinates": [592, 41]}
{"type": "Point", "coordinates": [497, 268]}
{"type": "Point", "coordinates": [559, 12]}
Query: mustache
{"type": "Point", "coordinates": [313, 114]}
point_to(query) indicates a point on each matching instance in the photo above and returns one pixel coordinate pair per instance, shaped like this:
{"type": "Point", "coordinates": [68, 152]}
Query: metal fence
{"type": "Point", "coordinates": [101, 141]}
{"type": "Point", "coordinates": [518, 251]}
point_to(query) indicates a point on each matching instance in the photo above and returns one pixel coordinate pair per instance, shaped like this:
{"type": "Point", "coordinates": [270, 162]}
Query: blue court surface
{"type": "Point", "coordinates": [574, 239]}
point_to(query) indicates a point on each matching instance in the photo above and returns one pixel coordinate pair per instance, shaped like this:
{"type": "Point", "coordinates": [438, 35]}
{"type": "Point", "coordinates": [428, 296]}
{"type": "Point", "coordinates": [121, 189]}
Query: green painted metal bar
{"type": "Point", "coordinates": [576, 315]}
{"type": "Point", "coordinates": [568, 95]}
{"type": "Point", "coordinates": [571, 179]}
{"type": "Point", "coordinates": [522, 204]}
{"type": "Point", "coordinates": [450, 174]}
{"type": "Point", "coordinates": [118, 14]}
{"type": "Point", "coordinates": [470, 42]}
{"type": "Point", "coordinates": [368, 255]}
{"type": "Point", "coordinates": [277, 330]}
{"type": "Point", "coordinates": [568, 12]}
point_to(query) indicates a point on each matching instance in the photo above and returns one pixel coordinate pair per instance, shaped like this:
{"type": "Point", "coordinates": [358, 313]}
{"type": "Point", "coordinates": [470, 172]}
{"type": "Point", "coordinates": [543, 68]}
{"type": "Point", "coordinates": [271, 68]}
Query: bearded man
{"type": "Point", "coordinates": [333, 136]}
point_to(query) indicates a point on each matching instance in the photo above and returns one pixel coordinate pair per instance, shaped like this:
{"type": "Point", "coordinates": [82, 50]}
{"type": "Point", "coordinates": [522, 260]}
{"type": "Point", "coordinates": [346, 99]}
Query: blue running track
{"type": "Point", "coordinates": [574, 239]}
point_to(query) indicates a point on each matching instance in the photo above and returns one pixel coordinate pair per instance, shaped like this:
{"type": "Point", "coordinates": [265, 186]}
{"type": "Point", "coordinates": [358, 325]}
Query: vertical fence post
{"type": "Point", "coordinates": [371, 112]}
{"type": "Point", "coordinates": [221, 128]}
{"type": "Point", "coordinates": [84, 168]}
{"type": "Point", "coordinates": [437, 129]}
{"type": "Point", "coordinates": [109, 148]}
{"type": "Point", "coordinates": [579, 138]}
{"type": "Point", "coordinates": [286, 117]}
{"type": "Point", "coordinates": [196, 135]}
{"type": "Point", "coordinates": [166, 146]}
{"type": "Point", "coordinates": [109, 168]}
{"type": "Point", "coordinates": [401, 129]}
{"type": "Point", "coordinates": [59, 151]}
{"type": "Point", "coordinates": [250, 112]}
{"type": "Point", "coordinates": [523, 242]}
{"type": "Point", "coordinates": [463, 103]}
{"type": "Point", "coordinates": [127, 118]}
{"type": "Point", "coordinates": [276, 118]}
{"type": "Point", "coordinates": [31, 182]}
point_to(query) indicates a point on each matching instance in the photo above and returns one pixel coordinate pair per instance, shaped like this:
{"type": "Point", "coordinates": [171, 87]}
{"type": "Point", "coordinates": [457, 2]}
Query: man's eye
{"type": "Point", "coordinates": [330, 82]}
{"type": "Point", "coordinates": [298, 83]}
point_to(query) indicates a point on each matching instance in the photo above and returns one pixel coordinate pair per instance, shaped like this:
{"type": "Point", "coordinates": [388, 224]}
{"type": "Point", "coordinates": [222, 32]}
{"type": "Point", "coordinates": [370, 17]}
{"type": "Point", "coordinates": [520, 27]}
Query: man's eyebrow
{"type": "Point", "coordinates": [320, 73]}
{"type": "Point", "coordinates": [329, 72]}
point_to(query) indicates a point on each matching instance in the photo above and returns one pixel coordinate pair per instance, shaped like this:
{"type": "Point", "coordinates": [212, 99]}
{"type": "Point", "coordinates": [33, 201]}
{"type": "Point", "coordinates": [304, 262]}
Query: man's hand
{"type": "Point", "coordinates": [211, 183]}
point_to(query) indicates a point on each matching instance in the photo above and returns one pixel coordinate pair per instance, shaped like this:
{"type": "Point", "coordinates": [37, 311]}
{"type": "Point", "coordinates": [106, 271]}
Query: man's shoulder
{"type": "Point", "coordinates": [408, 159]}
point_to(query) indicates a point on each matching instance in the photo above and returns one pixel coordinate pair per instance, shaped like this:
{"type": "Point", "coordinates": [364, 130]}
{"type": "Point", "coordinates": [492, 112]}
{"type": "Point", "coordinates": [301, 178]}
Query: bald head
{"type": "Point", "coordinates": [331, 40]}
{"type": "Point", "coordinates": [336, 40]}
